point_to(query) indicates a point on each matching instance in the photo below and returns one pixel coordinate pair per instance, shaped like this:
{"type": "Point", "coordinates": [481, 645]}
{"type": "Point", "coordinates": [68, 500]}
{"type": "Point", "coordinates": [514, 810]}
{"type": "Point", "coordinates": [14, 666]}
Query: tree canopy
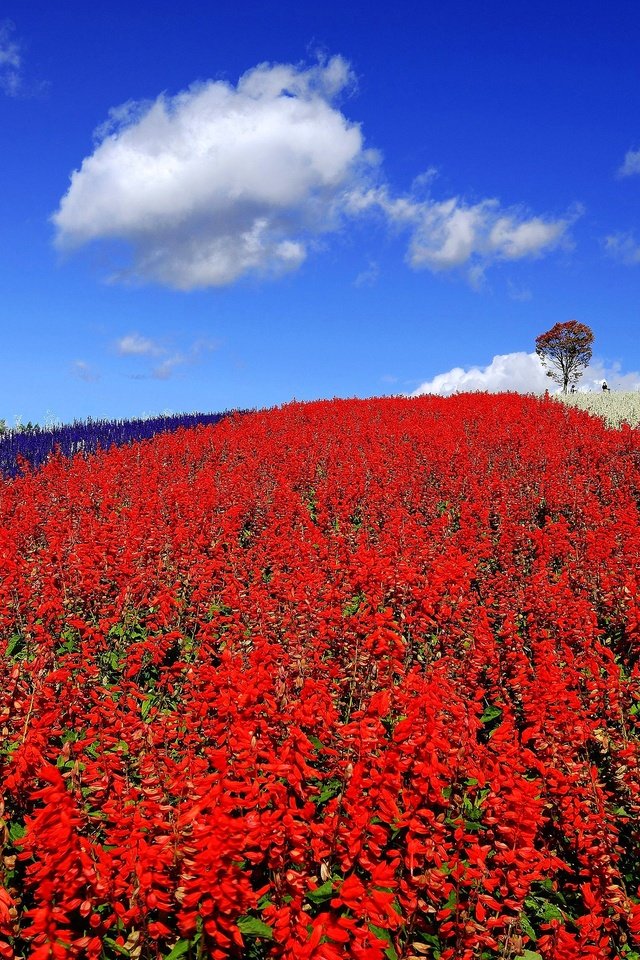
{"type": "Point", "coordinates": [565, 351]}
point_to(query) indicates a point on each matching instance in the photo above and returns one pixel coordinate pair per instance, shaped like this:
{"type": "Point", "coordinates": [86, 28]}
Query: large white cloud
{"type": "Point", "coordinates": [520, 371]}
{"type": "Point", "coordinates": [219, 181]}
{"type": "Point", "coordinates": [523, 373]}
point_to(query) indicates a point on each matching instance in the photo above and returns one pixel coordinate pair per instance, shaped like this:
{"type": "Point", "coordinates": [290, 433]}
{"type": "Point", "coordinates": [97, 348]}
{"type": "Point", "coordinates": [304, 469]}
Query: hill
{"type": "Point", "coordinates": [341, 679]}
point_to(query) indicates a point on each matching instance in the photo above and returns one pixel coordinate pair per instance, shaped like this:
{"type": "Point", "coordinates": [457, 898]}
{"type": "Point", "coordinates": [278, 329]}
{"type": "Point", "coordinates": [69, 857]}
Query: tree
{"type": "Point", "coordinates": [565, 351]}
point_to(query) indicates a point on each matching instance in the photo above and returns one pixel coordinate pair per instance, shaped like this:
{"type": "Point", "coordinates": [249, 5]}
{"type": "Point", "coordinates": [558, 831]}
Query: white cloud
{"type": "Point", "coordinates": [631, 164]}
{"type": "Point", "coordinates": [134, 345]}
{"type": "Point", "coordinates": [521, 294]}
{"type": "Point", "coordinates": [450, 234]}
{"type": "Point", "coordinates": [10, 60]}
{"type": "Point", "coordinates": [369, 276]}
{"type": "Point", "coordinates": [194, 355]}
{"type": "Point", "coordinates": [523, 373]}
{"type": "Point", "coordinates": [623, 247]}
{"type": "Point", "coordinates": [222, 181]}
{"type": "Point", "coordinates": [219, 181]}
{"type": "Point", "coordinates": [598, 371]}
{"type": "Point", "coordinates": [520, 371]}
{"type": "Point", "coordinates": [165, 370]}
{"type": "Point", "coordinates": [84, 371]}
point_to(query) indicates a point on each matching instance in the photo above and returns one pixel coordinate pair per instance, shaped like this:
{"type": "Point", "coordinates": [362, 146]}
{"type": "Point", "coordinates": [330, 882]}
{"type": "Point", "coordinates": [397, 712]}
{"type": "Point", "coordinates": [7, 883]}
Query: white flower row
{"type": "Point", "coordinates": [614, 407]}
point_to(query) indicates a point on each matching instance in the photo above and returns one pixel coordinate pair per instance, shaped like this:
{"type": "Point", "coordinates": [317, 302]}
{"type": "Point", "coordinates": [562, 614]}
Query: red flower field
{"type": "Point", "coordinates": [344, 679]}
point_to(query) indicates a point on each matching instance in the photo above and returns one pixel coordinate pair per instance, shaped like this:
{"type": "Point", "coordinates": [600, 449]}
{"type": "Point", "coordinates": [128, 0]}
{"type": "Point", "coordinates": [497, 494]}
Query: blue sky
{"type": "Point", "coordinates": [310, 200]}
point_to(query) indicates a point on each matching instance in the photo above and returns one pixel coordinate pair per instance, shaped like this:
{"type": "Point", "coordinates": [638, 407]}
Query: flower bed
{"type": "Point", "coordinates": [344, 679]}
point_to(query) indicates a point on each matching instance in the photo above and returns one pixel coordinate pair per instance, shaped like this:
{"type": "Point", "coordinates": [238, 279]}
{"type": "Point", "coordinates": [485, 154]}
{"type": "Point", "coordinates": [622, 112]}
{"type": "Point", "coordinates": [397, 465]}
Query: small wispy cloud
{"type": "Point", "coordinates": [84, 371]}
{"type": "Point", "coordinates": [10, 60]}
{"type": "Point", "coordinates": [521, 294]}
{"type": "Point", "coordinates": [166, 369]}
{"type": "Point", "coordinates": [194, 355]}
{"type": "Point", "coordinates": [134, 345]}
{"type": "Point", "coordinates": [453, 234]}
{"type": "Point", "coordinates": [623, 247]}
{"type": "Point", "coordinates": [13, 80]}
{"type": "Point", "coordinates": [631, 164]}
{"type": "Point", "coordinates": [368, 276]}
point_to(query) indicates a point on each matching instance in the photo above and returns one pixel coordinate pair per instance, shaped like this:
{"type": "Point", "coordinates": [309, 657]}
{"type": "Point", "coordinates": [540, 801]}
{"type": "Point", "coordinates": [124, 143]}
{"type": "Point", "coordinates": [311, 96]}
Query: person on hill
{"type": "Point", "coordinates": [605, 386]}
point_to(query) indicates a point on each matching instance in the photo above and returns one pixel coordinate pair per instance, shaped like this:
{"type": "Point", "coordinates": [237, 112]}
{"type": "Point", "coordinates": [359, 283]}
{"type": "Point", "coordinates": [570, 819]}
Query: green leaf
{"type": "Point", "coordinates": [527, 928]}
{"type": "Point", "coordinates": [330, 789]}
{"type": "Point", "coordinates": [529, 955]}
{"type": "Point", "coordinates": [146, 707]}
{"type": "Point", "coordinates": [116, 946]}
{"type": "Point", "coordinates": [452, 901]}
{"type": "Point", "coordinates": [549, 911]}
{"type": "Point", "coordinates": [352, 607]}
{"type": "Point", "coordinates": [320, 894]}
{"type": "Point", "coordinates": [254, 927]}
{"type": "Point", "coordinates": [491, 713]}
{"type": "Point", "coordinates": [179, 950]}
{"type": "Point", "coordinates": [16, 831]}
{"type": "Point", "coordinates": [380, 933]}
{"type": "Point", "coordinates": [15, 644]}
{"type": "Point", "coordinates": [431, 939]}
